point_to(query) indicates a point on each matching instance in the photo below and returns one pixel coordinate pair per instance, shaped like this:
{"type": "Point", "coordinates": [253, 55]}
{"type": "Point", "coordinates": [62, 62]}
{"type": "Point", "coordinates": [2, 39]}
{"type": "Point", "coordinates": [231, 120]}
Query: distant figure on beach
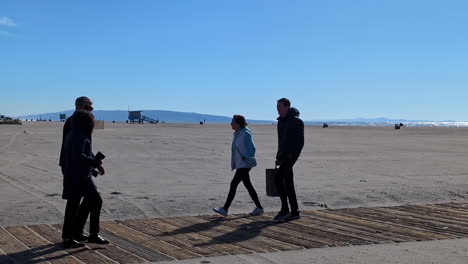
{"type": "Point", "coordinates": [243, 160]}
{"type": "Point", "coordinates": [78, 164]}
{"type": "Point", "coordinates": [290, 143]}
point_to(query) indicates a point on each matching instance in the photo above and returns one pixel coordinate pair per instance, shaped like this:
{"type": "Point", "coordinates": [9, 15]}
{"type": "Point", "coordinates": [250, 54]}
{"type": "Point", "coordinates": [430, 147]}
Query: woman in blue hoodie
{"type": "Point", "coordinates": [243, 160]}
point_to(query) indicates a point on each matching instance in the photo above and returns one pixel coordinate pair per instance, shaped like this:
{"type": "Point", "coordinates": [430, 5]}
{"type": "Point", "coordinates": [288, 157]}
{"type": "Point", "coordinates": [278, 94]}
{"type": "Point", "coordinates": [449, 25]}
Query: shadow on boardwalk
{"type": "Point", "coordinates": [242, 232]}
{"type": "Point", "coordinates": [39, 254]}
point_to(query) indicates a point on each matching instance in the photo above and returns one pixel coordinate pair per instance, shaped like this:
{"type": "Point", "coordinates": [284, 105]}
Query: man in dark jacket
{"type": "Point", "coordinates": [76, 159]}
{"type": "Point", "coordinates": [290, 144]}
{"type": "Point", "coordinates": [82, 103]}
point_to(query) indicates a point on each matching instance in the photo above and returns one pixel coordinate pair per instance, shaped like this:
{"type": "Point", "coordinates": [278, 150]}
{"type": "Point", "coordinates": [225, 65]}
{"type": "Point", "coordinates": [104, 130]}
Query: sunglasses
{"type": "Point", "coordinates": [88, 108]}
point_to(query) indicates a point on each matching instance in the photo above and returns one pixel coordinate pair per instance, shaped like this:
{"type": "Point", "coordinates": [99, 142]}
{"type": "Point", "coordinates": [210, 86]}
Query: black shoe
{"type": "Point", "coordinates": [293, 216]}
{"type": "Point", "coordinates": [96, 238]}
{"type": "Point", "coordinates": [80, 238]}
{"type": "Point", "coordinates": [281, 216]}
{"type": "Point", "coordinates": [71, 243]}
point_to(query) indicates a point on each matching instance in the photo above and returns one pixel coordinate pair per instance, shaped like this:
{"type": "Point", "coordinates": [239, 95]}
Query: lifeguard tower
{"type": "Point", "coordinates": [135, 116]}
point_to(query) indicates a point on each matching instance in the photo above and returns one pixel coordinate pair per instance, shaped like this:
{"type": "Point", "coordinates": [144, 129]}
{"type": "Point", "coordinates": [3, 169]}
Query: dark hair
{"type": "Point", "coordinates": [79, 102]}
{"type": "Point", "coordinates": [285, 102]}
{"type": "Point", "coordinates": [240, 120]}
{"type": "Point", "coordinates": [83, 120]}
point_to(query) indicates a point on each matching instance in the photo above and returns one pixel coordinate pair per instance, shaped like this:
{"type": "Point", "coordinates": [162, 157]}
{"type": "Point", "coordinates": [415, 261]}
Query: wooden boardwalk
{"type": "Point", "coordinates": [158, 239]}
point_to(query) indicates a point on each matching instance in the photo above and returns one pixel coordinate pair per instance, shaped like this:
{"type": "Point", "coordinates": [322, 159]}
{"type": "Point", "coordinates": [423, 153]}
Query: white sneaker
{"type": "Point", "coordinates": [220, 211]}
{"type": "Point", "coordinates": [256, 212]}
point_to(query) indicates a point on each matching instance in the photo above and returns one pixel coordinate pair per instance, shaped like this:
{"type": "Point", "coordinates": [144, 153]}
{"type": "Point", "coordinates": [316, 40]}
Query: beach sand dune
{"type": "Point", "coordinates": [184, 169]}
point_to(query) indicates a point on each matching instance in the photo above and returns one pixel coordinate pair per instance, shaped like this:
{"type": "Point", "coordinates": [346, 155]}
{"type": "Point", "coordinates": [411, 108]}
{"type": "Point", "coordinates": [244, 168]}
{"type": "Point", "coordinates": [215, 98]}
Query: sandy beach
{"type": "Point", "coordinates": [184, 169]}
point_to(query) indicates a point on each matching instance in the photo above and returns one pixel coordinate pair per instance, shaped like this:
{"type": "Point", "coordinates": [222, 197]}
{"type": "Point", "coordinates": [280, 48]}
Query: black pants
{"type": "Point", "coordinates": [69, 224]}
{"type": "Point", "coordinates": [285, 185]}
{"type": "Point", "coordinates": [242, 175]}
{"type": "Point", "coordinates": [76, 215]}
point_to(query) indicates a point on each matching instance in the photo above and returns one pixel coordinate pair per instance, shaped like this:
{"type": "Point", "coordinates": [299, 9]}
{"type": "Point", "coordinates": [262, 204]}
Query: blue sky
{"type": "Point", "coordinates": [333, 59]}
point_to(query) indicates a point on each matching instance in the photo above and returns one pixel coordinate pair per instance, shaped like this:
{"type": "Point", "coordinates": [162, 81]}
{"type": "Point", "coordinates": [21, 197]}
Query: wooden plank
{"type": "Point", "coordinates": [184, 242]}
{"type": "Point", "coordinates": [4, 258]}
{"type": "Point", "coordinates": [115, 252]}
{"type": "Point", "coordinates": [279, 229]}
{"type": "Point", "coordinates": [134, 241]}
{"type": "Point", "coordinates": [110, 250]}
{"type": "Point", "coordinates": [274, 231]}
{"type": "Point", "coordinates": [42, 247]}
{"type": "Point", "coordinates": [170, 229]}
{"type": "Point", "coordinates": [218, 234]}
{"type": "Point", "coordinates": [343, 216]}
{"type": "Point", "coordinates": [427, 222]}
{"type": "Point", "coordinates": [16, 250]}
{"type": "Point", "coordinates": [391, 237]}
{"type": "Point", "coordinates": [246, 232]}
{"type": "Point", "coordinates": [148, 241]}
{"type": "Point", "coordinates": [416, 223]}
{"type": "Point", "coordinates": [455, 205]}
{"type": "Point", "coordinates": [413, 224]}
{"type": "Point", "coordinates": [317, 229]}
{"type": "Point", "coordinates": [321, 234]}
{"type": "Point", "coordinates": [318, 237]}
{"type": "Point", "coordinates": [119, 251]}
{"type": "Point", "coordinates": [436, 218]}
{"type": "Point", "coordinates": [135, 248]}
{"type": "Point", "coordinates": [437, 214]}
{"type": "Point", "coordinates": [342, 229]}
{"type": "Point", "coordinates": [84, 254]}
{"type": "Point", "coordinates": [448, 210]}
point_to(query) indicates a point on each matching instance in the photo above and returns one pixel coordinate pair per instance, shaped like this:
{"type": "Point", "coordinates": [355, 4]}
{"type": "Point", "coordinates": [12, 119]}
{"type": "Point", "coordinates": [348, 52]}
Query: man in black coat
{"type": "Point", "coordinates": [290, 143]}
{"type": "Point", "coordinates": [77, 163]}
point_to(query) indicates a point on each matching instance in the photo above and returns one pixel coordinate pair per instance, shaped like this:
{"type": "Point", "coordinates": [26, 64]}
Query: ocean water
{"type": "Point", "coordinates": [408, 124]}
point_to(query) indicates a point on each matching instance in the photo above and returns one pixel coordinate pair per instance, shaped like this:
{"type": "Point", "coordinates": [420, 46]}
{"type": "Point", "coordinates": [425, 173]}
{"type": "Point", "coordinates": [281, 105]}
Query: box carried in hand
{"type": "Point", "coordinates": [271, 189]}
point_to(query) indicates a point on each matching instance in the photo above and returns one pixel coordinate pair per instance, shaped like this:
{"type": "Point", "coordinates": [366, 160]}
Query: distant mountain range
{"type": "Point", "coordinates": [186, 117]}
{"type": "Point", "coordinates": [162, 115]}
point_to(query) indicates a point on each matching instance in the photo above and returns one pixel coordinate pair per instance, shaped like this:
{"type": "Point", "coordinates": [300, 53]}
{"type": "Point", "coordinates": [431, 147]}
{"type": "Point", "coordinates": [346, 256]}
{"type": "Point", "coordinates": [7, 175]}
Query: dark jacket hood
{"type": "Point", "coordinates": [294, 112]}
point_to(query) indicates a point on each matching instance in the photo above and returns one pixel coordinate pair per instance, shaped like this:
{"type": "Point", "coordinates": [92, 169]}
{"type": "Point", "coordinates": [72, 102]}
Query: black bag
{"type": "Point", "coordinates": [271, 189]}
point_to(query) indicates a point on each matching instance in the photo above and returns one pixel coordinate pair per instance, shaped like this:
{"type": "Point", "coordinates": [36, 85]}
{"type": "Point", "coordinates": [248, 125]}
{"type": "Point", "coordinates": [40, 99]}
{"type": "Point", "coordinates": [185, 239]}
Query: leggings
{"type": "Point", "coordinates": [242, 175]}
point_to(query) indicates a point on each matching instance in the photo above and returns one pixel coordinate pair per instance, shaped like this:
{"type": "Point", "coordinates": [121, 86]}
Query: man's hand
{"type": "Point", "coordinates": [101, 170]}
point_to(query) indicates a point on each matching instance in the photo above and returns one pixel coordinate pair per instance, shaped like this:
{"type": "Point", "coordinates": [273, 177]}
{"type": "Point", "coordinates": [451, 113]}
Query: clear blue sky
{"type": "Point", "coordinates": [333, 59]}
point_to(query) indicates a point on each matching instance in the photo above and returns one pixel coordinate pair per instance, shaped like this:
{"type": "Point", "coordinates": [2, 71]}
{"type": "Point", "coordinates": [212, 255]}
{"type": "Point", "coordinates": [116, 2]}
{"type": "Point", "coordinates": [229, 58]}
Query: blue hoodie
{"type": "Point", "coordinates": [242, 146]}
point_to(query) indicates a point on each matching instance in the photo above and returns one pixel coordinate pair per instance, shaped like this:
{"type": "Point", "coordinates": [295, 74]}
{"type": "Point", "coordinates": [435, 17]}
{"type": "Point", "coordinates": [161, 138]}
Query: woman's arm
{"type": "Point", "coordinates": [249, 145]}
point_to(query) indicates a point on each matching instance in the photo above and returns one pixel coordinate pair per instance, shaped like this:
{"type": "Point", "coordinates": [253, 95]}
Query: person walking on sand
{"type": "Point", "coordinates": [82, 103]}
{"type": "Point", "coordinates": [243, 160]}
{"type": "Point", "coordinates": [78, 166]}
{"type": "Point", "coordinates": [290, 143]}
